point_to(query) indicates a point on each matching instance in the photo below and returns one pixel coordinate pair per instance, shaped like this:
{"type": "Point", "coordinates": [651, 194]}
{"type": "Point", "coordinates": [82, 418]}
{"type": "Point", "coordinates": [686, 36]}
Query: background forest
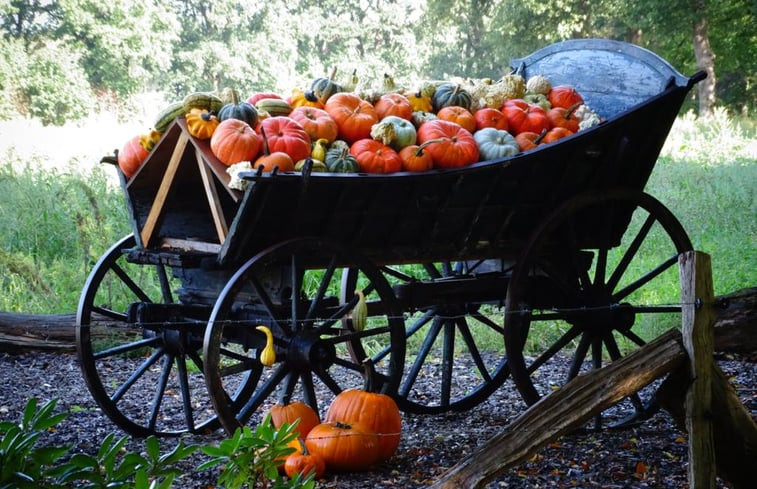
{"type": "Point", "coordinates": [63, 60]}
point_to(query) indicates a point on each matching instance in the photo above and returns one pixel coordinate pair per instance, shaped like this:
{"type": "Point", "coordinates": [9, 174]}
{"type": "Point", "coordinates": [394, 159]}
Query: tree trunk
{"type": "Point", "coordinates": [705, 59]}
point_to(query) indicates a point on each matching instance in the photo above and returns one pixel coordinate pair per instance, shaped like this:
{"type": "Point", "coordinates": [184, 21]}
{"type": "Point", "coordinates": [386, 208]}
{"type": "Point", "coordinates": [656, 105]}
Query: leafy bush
{"type": "Point", "coordinates": [250, 458]}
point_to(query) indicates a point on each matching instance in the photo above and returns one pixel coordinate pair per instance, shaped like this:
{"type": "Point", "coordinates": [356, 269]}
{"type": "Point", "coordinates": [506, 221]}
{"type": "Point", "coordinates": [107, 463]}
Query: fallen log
{"type": "Point", "coordinates": [735, 327]}
{"type": "Point", "coordinates": [46, 332]}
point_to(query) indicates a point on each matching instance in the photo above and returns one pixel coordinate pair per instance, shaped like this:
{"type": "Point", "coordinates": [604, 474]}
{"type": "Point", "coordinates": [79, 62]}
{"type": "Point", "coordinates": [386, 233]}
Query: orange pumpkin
{"type": "Point", "coordinates": [562, 117]}
{"type": "Point", "coordinates": [270, 160]}
{"type": "Point", "coordinates": [522, 116]}
{"type": "Point", "coordinates": [377, 412]}
{"type": "Point", "coordinates": [290, 412]}
{"type": "Point", "coordinates": [234, 141]}
{"type": "Point", "coordinates": [393, 104]}
{"type": "Point", "coordinates": [303, 462]}
{"type": "Point", "coordinates": [455, 146]}
{"type": "Point", "coordinates": [564, 96]}
{"type": "Point", "coordinates": [287, 136]}
{"type": "Point", "coordinates": [344, 446]}
{"type": "Point", "coordinates": [529, 140]}
{"type": "Point", "coordinates": [316, 122]}
{"type": "Point", "coordinates": [556, 133]}
{"type": "Point", "coordinates": [490, 117]}
{"type": "Point", "coordinates": [375, 157]}
{"type": "Point", "coordinates": [131, 156]}
{"type": "Point", "coordinates": [414, 158]}
{"type": "Point", "coordinates": [353, 116]}
{"type": "Point", "coordinates": [458, 115]}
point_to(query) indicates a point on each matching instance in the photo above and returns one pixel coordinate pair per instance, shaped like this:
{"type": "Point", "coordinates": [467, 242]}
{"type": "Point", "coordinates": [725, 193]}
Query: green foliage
{"type": "Point", "coordinates": [251, 458]}
{"type": "Point", "coordinates": [54, 225]}
{"type": "Point", "coordinates": [24, 464]}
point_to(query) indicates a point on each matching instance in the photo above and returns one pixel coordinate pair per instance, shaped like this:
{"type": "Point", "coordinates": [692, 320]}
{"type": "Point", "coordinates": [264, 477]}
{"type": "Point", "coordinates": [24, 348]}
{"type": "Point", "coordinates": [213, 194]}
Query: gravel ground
{"type": "Point", "coordinates": [651, 455]}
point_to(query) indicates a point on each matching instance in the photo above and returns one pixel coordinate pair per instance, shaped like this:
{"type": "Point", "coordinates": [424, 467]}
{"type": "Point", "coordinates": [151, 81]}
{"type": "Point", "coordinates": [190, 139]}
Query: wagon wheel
{"type": "Point", "coordinates": [284, 289]}
{"type": "Point", "coordinates": [146, 376]}
{"type": "Point", "coordinates": [593, 299]}
{"type": "Point", "coordinates": [455, 359]}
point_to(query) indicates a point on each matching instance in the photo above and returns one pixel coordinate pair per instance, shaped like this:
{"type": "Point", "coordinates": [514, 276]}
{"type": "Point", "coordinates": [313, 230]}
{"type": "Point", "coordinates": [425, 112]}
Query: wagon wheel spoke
{"type": "Point", "coordinates": [638, 340]}
{"type": "Point", "coordinates": [126, 280]}
{"type": "Point", "coordinates": [579, 356]}
{"type": "Point", "coordinates": [109, 313]}
{"type": "Point", "coordinates": [328, 275]}
{"type": "Point", "coordinates": [465, 332]}
{"type": "Point", "coordinates": [646, 278]}
{"type": "Point", "coordinates": [448, 352]}
{"type": "Point", "coordinates": [126, 348]}
{"type": "Point", "coordinates": [417, 325]}
{"type": "Point", "coordinates": [265, 299]}
{"type": "Point", "coordinates": [160, 390]}
{"type": "Point", "coordinates": [488, 322]}
{"type": "Point", "coordinates": [328, 380]}
{"type": "Point", "coordinates": [554, 349]}
{"type": "Point", "coordinates": [186, 393]}
{"type": "Point", "coordinates": [630, 252]}
{"type": "Point", "coordinates": [136, 375]}
{"type": "Point", "coordinates": [263, 392]}
{"type": "Point", "coordinates": [421, 356]}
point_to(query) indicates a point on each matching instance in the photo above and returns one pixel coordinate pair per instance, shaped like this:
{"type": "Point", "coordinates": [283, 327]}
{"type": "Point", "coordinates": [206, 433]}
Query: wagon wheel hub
{"type": "Point", "coordinates": [600, 314]}
{"type": "Point", "coordinates": [306, 351]}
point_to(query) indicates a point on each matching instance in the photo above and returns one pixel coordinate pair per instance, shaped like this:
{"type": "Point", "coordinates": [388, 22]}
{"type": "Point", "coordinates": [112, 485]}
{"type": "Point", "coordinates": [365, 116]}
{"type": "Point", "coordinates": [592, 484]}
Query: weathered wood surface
{"type": "Point", "coordinates": [51, 332]}
{"type": "Point", "coordinates": [697, 319]}
{"type": "Point", "coordinates": [735, 327]}
{"type": "Point", "coordinates": [574, 404]}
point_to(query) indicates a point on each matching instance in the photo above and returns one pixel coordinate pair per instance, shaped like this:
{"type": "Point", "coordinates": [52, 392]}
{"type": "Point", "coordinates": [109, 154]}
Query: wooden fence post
{"type": "Point", "coordinates": [697, 299]}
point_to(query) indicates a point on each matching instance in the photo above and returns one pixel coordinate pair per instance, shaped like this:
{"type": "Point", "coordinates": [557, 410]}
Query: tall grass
{"type": "Point", "coordinates": [60, 210]}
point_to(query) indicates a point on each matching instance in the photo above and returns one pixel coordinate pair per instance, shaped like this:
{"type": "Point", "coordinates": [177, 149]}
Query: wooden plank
{"type": "Point", "coordinates": [222, 229]}
{"type": "Point", "coordinates": [158, 205]}
{"type": "Point", "coordinates": [697, 300]}
{"type": "Point", "coordinates": [189, 245]}
{"type": "Point", "coordinates": [563, 410]}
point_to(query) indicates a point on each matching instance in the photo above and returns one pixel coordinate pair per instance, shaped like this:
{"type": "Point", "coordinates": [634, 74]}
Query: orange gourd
{"type": "Point", "coordinates": [353, 116]}
{"type": "Point", "coordinates": [131, 156]}
{"type": "Point", "coordinates": [286, 135]}
{"type": "Point", "coordinates": [564, 96]}
{"type": "Point", "coordinates": [375, 411]}
{"type": "Point", "coordinates": [490, 117]}
{"type": "Point", "coordinates": [316, 122]}
{"type": "Point", "coordinates": [393, 104]}
{"type": "Point", "coordinates": [455, 146]}
{"type": "Point", "coordinates": [459, 115]}
{"type": "Point", "coordinates": [234, 141]}
{"type": "Point", "coordinates": [343, 446]}
{"type": "Point", "coordinates": [375, 157]}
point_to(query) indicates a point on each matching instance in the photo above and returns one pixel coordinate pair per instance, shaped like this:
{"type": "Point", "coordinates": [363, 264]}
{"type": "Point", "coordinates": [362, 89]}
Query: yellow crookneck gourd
{"type": "Point", "coordinates": [268, 354]}
{"type": "Point", "coordinates": [360, 312]}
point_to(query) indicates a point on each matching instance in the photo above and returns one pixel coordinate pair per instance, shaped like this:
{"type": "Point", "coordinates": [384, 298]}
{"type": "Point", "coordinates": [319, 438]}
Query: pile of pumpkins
{"type": "Point", "coordinates": [340, 128]}
{"type": "Point", "coordinates": [361, 429]}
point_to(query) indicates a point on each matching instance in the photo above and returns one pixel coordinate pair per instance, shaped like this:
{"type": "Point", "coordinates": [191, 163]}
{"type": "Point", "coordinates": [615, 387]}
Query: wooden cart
{"type": "Point", "coordinates": [472, 275]}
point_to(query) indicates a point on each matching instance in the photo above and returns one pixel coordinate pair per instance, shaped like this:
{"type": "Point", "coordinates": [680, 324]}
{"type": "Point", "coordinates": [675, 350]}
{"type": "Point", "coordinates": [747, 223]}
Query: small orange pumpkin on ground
{"type": "Point", "coordinates": [303, 462]}
{"type": "Point", "coordinates": [289, 412]}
